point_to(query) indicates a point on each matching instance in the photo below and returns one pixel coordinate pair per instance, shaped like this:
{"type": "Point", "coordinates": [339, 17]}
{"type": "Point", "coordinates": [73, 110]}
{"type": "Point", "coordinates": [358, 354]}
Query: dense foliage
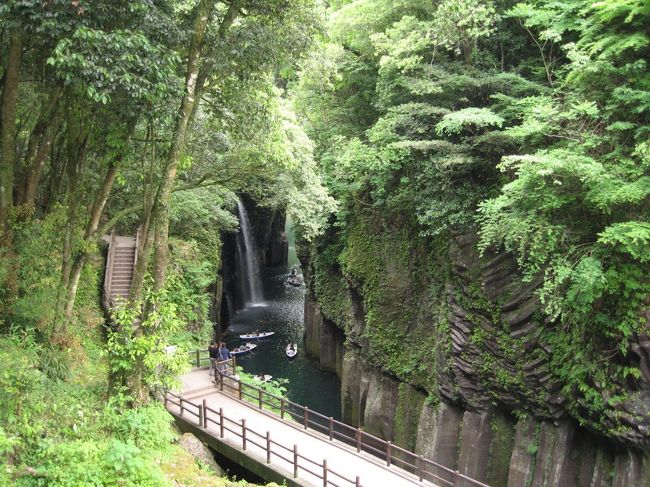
{"type": "Point", "coordinates": [383, 128]}
{"type": "Point", "coordinates": [525, 123]}
{"type": "Point", "coordinates": [119, 116]}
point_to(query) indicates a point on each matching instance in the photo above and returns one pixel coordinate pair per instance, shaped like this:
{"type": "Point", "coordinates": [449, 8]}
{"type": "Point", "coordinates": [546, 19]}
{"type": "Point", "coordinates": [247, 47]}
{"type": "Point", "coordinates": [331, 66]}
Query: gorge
{"type": "Point", "coordinates": [454, 363]}
{"type": "Point", "coordinates": [468, 186]}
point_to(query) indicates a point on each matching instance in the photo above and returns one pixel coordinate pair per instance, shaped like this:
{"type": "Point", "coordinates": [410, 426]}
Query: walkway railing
{"type": "Point", "coordinates": [108, 302]}
{"type": "Point", "coordinates": [392, 454]}
{"type": "Point", "coordinates": [205, 416]}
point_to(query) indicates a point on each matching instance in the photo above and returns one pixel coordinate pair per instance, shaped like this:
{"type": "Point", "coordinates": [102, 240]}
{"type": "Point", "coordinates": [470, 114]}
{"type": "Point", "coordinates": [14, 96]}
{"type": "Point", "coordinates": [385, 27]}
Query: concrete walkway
{"type": "Point", "coordinates": [341, 458]}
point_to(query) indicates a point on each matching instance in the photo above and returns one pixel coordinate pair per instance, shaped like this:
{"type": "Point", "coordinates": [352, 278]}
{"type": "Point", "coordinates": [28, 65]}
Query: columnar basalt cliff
{"type": "Point", "coordinates": [450, 354]}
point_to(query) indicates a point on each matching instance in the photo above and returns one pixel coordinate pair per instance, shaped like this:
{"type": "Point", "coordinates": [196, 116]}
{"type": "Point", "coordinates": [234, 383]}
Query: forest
{"type": "Point", "coordinates": [413, 144]}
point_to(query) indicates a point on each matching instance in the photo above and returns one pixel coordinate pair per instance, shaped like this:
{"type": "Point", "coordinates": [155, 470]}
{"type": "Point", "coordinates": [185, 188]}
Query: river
{"type": "Point", "coordinates": [282, 313]}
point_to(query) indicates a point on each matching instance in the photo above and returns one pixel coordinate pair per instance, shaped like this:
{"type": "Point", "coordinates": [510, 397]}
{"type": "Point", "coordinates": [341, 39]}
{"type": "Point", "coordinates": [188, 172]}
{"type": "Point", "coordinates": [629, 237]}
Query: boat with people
{"type": "Point", "coordinates": [256, 335]}
{"type": "Point", "coordinates": [291, 350]}
{"type": "Point", "coordinates": [294, 278]}
{"type": "Point", "coordinates": [246, 348]}
{"type": "Point", "coordinates": [263, 377]}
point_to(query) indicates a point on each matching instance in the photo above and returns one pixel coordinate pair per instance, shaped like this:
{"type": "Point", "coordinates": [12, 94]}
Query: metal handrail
{"type": "Point", "coordinates": [137, 245]}
{"type": "Point", "coordinates": [242, 432]}
{"type": "Point", "coordinates": [110, 257]}
{"type": "Point", "coordinates": [423, 467]}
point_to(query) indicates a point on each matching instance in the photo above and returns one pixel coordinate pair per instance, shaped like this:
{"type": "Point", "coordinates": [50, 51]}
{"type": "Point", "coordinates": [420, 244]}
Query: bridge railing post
{"type": "Point", "coordinates": [281, 408]}
{"type": "Point", "coordinates": [200, 415]}
{"type": "Point", "coordinates": [324, 472]}
{"type": "Point", "coordinates": [205, 414]}
{"type": "Point", "coordinates": [181, 405]}
{"type": "Point", "coordinates": [198, 357]}
{"type": "Point", "coordinates": [259, 397]}
{"type": "Point", "coordinates": [357, 483]}
{"type": "Point", "coordinates": [358, 440]}
{"type": "Point", "coordinates": [221, 381]}
{"type": "Point", "coordinates": [331, 428]}
{"type": "Point", "coordinates": [295, 461]}
{"type": "Point", "coordinates": [241, 387]}
{"type": "Point", "coordinates": [305, 415]}
{"type": "Point", "coordinates": [243, 434]}
{"type": "Point", "coordinates": [221, 427]}
{"type": "Point", "coordinates": [268, 447]}
{"type": "Point", "coordinates": [421, 467]}
{"type": "Point", "coordinates": [388, 453]}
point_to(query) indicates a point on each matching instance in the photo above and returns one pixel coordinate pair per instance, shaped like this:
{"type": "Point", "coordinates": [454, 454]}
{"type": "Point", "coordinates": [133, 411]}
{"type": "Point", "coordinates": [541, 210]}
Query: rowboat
{"type": "Point", "coordinates": [257, 335]}
{"type": "Point", "coordinates": [294, 278]}
{"type": "Point", "coordinates": [291, 350]}
{"type": "Point", "coordinates": [294, 281]}
{"type": "Point", "coordinates": [248, 347]}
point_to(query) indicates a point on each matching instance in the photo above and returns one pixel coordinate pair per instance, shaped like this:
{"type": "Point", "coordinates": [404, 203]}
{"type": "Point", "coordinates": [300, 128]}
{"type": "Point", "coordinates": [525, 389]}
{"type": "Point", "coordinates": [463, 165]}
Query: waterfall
{"type": "Point", "coordinates": [248, 257]}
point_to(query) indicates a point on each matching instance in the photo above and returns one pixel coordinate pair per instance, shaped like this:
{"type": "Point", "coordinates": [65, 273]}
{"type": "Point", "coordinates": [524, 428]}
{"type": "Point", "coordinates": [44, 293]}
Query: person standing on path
{"type": "Point", "coordinates": [213, 350]}
{"type": "Point", "coordinates": [224, 355]}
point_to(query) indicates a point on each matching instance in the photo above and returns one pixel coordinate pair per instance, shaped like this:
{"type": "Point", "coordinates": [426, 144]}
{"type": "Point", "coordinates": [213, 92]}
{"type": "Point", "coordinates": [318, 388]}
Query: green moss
{"type": "Point", "coordinates": [503, 439]}
{"type": "Point", "coordinates": [407, 414]}
{"type": "Point", "coordinates": [400, 281]}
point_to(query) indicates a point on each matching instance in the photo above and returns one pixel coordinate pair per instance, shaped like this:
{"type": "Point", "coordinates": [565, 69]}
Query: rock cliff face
{"type": "Point", "coordinates": [271, 247]}
{"type": "Point", "coordinates": [457, 364]}
{"type": "Point", "coordinates": [269, 233]}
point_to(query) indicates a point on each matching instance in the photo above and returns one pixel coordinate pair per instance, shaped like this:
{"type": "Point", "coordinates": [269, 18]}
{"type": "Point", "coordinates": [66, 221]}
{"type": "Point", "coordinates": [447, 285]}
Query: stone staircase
{"type": "Point", "coordinates": [120, 262]}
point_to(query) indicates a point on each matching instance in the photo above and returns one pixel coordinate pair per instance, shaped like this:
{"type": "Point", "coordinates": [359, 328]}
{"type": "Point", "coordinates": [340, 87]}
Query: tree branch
{"type": "Point", "coordinates": [201, 183]}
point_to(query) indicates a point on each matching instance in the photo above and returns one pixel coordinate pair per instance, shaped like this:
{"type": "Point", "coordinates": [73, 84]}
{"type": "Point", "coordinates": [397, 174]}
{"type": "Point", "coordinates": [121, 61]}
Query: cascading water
{"type": "Point", "coordinates": [248, 258]}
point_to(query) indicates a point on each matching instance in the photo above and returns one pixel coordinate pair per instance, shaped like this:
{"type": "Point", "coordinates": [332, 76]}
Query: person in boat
{"type": "Point", "coordinates": [213, 351]}
{"type": "Point", "coordinates": [292, 346]}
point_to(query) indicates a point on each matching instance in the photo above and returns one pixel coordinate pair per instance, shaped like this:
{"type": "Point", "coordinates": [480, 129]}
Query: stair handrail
{"type": "Point", "coordinates": [137, 245]}
{"type": "Point", "coordinates": [110, 257]}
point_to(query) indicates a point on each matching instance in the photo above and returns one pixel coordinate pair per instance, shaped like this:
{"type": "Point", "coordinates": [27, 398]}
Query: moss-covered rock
{"type": "Point", "coordinates": [407, 415]}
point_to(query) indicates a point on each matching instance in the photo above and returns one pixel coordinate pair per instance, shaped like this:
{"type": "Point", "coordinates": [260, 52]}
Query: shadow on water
{"type": "Point", "coordinates": [282, 313]}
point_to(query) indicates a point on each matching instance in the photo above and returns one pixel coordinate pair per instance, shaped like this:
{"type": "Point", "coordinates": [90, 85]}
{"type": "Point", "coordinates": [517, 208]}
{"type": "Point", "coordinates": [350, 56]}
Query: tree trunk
{"type": "Point", "coordinates": [7, 161]}
{"type": "Point", "coordinates": [56, 174]}
{"type": "Point", "coordinates": [185, 115]}
{"type": "Point", "coordinates": [8, 129]}
{"type": "Point", "coordinates": [146, 234]}
{"type": "Point", "coordinates": [160, 211]}
{"type": "Point", "coordinates": [90, 233]}
{"type": "Point", "coordinates": [49, 126]}
{"type": "Point", "coordinates": [77, 145]}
